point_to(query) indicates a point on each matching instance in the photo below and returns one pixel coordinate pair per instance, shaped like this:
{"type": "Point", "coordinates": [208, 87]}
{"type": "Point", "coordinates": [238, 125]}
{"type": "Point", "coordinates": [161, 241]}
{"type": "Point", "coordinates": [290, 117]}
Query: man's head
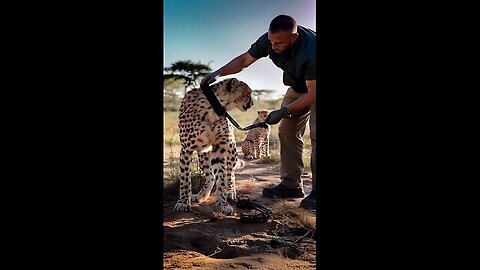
{"type": "Point", "coordinates": [282, 33]}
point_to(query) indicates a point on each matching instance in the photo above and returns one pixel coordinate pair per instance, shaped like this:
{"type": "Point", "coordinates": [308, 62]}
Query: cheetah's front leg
{"type": "Point", "coordinates": [258, 151]}
{"type": "Point", "coordinates": [184, 203]}
{"type": "Point", "coordinates": [247, 150]}
{"type": "Point", "coordinates": [219, 165]}
{"type": "Point", "coordinates": [204, 193]}
{"type": "Point", "coordinates": [266, 148]}
{"type": "Point", "coordinates": [231, 164]}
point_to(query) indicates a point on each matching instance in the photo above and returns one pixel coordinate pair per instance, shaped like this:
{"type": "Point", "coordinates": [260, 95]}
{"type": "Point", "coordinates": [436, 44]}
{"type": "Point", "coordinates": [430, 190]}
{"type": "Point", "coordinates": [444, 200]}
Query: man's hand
{"type": "Point", "coordinates": [210, 78]}
{"type": "Point", "coordinates": [274, 117]}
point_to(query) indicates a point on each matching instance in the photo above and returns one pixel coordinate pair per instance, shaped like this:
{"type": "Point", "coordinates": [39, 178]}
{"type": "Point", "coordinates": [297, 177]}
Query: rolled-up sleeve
{"type": "Point", "coordinates": [259, 49]}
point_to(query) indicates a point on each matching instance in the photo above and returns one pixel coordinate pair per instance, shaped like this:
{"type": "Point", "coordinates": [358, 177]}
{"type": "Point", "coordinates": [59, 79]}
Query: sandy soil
{"type": "Point", "coordinates": [201, 239]}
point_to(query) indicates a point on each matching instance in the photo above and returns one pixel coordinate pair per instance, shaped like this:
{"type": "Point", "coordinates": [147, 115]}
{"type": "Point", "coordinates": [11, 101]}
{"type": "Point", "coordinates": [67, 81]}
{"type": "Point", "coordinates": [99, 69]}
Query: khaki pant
{"type": "Point", "coordinates": [291, 131]}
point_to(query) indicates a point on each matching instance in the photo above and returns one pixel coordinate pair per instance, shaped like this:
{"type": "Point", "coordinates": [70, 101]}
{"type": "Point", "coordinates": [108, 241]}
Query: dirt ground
{"type": "Point", "coordinates": [202, 240]}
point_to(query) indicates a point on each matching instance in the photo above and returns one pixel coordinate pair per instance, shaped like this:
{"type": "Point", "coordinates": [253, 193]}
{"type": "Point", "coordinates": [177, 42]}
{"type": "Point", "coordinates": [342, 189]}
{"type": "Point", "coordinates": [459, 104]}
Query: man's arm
{"type": "Point", "coordinates": [298, 105]}
{"type": "Point", "coordinates": [233, 67]}
{"type": "Point", "coordinates": [236, 65]}
{"type": "Point", "coordinates": [306, 100]}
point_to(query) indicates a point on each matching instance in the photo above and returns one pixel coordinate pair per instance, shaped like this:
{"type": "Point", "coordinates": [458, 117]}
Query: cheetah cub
{"type": "Point", "coordinates": [256, 142]}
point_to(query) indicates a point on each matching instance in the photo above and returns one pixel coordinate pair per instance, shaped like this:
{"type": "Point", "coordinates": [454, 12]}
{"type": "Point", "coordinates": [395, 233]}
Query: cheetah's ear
{"type": "Point", "coordinates": [231, 84]}
{"type": "Point", "coordinates": [258, 112]}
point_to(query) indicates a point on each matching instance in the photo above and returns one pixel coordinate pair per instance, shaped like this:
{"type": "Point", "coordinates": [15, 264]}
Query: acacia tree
{"type": "Point", "coordinates": [188, 72]}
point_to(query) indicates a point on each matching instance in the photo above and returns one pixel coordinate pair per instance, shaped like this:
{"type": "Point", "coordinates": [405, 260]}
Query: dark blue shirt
{"type": "Point", "coordinates": [298, 63]}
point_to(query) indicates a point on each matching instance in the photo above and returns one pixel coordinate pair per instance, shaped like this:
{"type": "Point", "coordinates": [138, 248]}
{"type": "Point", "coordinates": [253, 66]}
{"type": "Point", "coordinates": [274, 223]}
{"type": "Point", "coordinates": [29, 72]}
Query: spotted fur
{"type": "Point", "coordinates": [256, 142]}
{"type": "Point", "coordinates": [212, 137]}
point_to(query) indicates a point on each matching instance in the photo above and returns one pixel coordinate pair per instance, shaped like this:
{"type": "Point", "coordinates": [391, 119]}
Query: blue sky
{"type": "Point", "coordinates": [219, 30]}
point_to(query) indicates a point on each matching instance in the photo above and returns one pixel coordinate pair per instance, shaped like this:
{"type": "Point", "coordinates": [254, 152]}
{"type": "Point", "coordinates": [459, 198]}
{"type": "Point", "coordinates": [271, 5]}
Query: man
{"type": "Point", "coordinates": [293, 49]}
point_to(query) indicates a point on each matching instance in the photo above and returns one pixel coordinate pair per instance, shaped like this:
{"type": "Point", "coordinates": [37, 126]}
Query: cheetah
{"type": "Point", "coordinates": [256, 142]}
{"type": "Point", "coordinates": [213, 139]}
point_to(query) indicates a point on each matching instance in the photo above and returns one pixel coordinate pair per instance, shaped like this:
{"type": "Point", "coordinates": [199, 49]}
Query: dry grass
{"type": "Point", "coordinates": [245, 187]}
{"type": "Point", "coordinates": [273, 160]}
{"type": "Point", "coordinates": [293, 216]}
{"type": "Point", "coordinates": [172, 186]}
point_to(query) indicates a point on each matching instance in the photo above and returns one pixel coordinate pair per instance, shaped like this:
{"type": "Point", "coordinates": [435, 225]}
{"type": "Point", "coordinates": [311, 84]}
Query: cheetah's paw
{"type": "Point", "coordinates": [226, 210]}
{"type": "Point", "coordinates": [182, 207]}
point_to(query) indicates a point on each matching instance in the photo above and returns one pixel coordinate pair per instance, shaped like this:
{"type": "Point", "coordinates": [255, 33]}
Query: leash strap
{"type": "Point", "coordinates": [263, 216]}
{"type": "Point", "coordinates": [220, 111]}
{"type": "Point", "coordinates": [208, 92]}
{"type": "Point", "coordinates": [262, 125]}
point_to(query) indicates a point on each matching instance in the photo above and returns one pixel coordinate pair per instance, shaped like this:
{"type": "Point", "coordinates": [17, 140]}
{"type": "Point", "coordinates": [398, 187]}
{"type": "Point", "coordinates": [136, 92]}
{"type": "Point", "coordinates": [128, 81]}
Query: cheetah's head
{"type": "Point", "coordinates": [262, 114]}
{"type": "Point", "coordinates": [238, 94]}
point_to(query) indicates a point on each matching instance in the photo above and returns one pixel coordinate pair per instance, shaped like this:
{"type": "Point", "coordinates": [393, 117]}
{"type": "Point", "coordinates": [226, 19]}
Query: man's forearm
{"type": "Point", "coordinates": [302, 103]}
{"type": "Point", "coordinates": [233, 67]}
